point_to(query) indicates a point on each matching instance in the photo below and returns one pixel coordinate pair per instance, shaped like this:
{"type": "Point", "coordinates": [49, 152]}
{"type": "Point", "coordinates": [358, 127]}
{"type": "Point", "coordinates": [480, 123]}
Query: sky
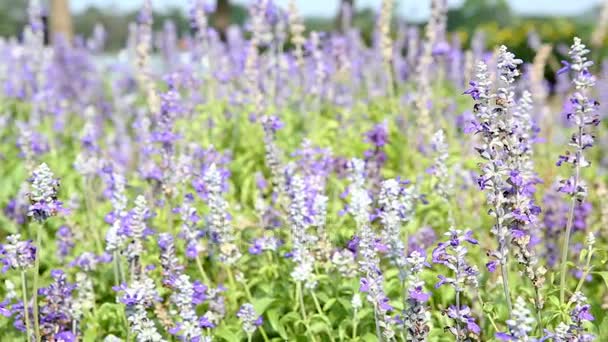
{"type": "Point", "coordinates": [412, 9]}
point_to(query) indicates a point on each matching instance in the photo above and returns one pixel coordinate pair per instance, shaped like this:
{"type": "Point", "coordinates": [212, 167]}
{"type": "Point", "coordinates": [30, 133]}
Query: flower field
{"type": "Point", "coordinates": [271, 183]}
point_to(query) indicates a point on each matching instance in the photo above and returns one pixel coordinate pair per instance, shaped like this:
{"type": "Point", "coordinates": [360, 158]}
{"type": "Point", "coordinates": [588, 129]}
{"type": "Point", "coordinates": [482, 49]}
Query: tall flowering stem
{"type": "Point", "coordinates": [21, 255]}
{"type": "Point", "coordinates": [452, 254]}
{"type": "Point", "coordinates": [416, 316]}
{"type": "Point", "coordinates": [369, 263]}
{"type": "Point", "coordinates": [495, 124]}
{"type": "Point", "coordinates": [583, 116]}
{"type": "Point", "coordinates": [44, 204]}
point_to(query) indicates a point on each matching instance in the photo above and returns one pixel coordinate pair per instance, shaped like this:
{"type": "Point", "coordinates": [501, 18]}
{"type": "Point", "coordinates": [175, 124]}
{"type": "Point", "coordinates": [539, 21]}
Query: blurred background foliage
{"type": "Point", "coordinates": [499, 23]}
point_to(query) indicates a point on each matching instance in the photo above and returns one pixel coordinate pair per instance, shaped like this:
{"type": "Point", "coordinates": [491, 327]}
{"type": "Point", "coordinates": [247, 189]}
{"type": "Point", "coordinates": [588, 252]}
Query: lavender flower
{"type": "Point", "coordinates": [188, 328]}
{"type": "Point", "coordinates": [137, 297]}
{"type": "Point", "coordinates": [301, 239]}
{"type": "Point", "coordinates": [445, 183]}
{"type": "Point", "coordinates": [520, 324]}
{"type": "Point", "coordinates": [219, 221]}
{"type": "Point", "coordinates": [250, 319]}
{"type": "Point", "coordinates": [584, 115]}
{"type": "Point", "coordinates": [43, 195]}
{"type": "Point", "coordinates": [496, 128]}
{"type": "Point", "coordinates": [452, 254]}
{"type": "Point", "coordinates": [416, 316]}
{"type": "Point", "coordinates": [190, 233]}
{"type": "Point", "coordinates": [371, 274]}
{"type": "Point", "coordinates": [56, 307]}
{"type": "Point", "coordinates": [578, 316]}
{"type": "Point", "coordinates": [137, 226]}
{"type": "Point", "coordinates": [396, 209]}
{"type": "Point", "coordinates": [171, 267]}
{"type": "Point", "coordinates": [65, 241]}
{"type": "Point", "coordinates": [17, 254]}
{"type": "Point", "coordinates": [375, 158]}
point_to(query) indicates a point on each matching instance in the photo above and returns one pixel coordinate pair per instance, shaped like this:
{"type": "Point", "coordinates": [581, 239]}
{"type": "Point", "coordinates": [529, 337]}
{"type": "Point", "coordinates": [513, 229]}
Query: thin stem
{"type": "Point", "coordinates": [35, 285]}
{"type": "Point", "coordinates": [489, 316]}
{"type": "Point", "coordinates": [355, 322]}
{"type": "Point", "coordinates": [565, 247]}
{"type": "Point", "coordinates": [378, 332]}
{"type": "Point", "coordinates": [199, 264]}
{"type": "Point", "coordinates": [586, 271]}
{"type": "Point", "coordinates": [301, 300]}
{"type": "Point", "coordinates": [90, 219]}
{"type": "Point", "coordinates": [539, 316]}
{"type": "Point", "coordinates": [320, 311]}
{"type": "Point", "coordinates": [504, 269]}
{"type": "Point", "coordinates": [457, 316]}
{"type": "Point", "coordinates": [300, 295]}
{"type": "Point", "coordinates": [26, 310]}
{"type": "Point", "coordinates": [116, 267]}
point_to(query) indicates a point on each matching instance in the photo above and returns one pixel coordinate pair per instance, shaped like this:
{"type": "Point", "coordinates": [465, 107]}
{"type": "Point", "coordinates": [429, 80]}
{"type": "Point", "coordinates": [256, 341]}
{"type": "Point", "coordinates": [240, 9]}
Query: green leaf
{"type": "Point", "coordinates": [273, 318]}
{"type": "Point", "coordinates": [225, 333]}
{"type": "Point", "coordinates": [603, 328]}
{"type": "Point", "coordinates": [329, 304]}
{"type": "Point", "coordinates": [604, 275]}
{"type": "Point", "coordinates": [369, 337]}
{"type": "Point", "coordinates": [262, 304]}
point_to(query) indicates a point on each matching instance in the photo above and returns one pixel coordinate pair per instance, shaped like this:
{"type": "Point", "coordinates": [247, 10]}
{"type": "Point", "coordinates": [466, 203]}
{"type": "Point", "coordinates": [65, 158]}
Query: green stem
{"type": "Point", "coordinates": [90, 219]}
{"type": "Point", "coordinates": [116, 268]}
{"type": "Point", "coordinates": [35, 285]}
{"type": "Point", "coordinates": [199, 264]}
{"type": "Point", "coordinates": [320, 311]}
{"type": "Point", "coordinates": [565, 246]}
{"type": "Point", "coordinates": [300, 295]}
{"type": "Point", "coordinates": [539, 315]}
{"type": "Point", "coordinates": [28, 329]}
{"type": "Point", "coordinates": [355, 322]}
{"type": "Point", "coordinates": [489, 316]}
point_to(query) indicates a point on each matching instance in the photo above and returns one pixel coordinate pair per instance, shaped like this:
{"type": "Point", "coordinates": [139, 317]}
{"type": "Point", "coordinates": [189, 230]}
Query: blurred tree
{"type": "Point", "coordinates": [61, 19]}
{"type": "Point", "coordinates": [345, 5]}
{"type": "Point", "coordinates": [476, 12]}
{"type": "Point", "coordinates": [222, 17]}
{"type": "Point", "coordinates": [12, 17]}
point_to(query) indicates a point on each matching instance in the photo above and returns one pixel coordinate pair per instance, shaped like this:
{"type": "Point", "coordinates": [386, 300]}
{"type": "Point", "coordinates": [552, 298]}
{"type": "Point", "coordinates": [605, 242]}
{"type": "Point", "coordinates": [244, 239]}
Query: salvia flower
{"type": "Point", "coordinates": [43, 194]}
{"type": "Point", "coordinates": [463, 318]}
{"type": "Point", "coordinates": [65, 241]}
{"type": "Point", "coordinates": [583, 115]}
{"type": "Point", "coordinates": [300, 224]}
{"type": "Point", "coordinates": [137, 226]}
{"type": "Point", "coordinates": [416, 316]}
{"type": "Point", "coordinates": [520, 324]}
{"type": "Point", "coordinates": [495, 125]}
{"type": "Point", "coordinates": [439, 169]}
{"type": "Point", "coordinates": [452, 254]}
{"type": "Point", "coordinates": [171, 267]}
{"type": "Point", "coordinates": [190, 233]}
{"type": "Point", "coordinates": [369, 263]}
{"type": "Point", "coordinates": [396, 209]}
{"type": "Point", "coordinates": [188, 327]}
{"type": "Point", "coordinates": [137, 297]}
{"type": "Point", "coordinates": [274, 159]}
{"type": "Point", "coordinates": [17, 254]}
{"type": "Point", "coordinates": [56, 306]}
{"type": "Point", "coordinates": [219, 220]}
{"type": "Point", "coordinates": [250, 319]}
